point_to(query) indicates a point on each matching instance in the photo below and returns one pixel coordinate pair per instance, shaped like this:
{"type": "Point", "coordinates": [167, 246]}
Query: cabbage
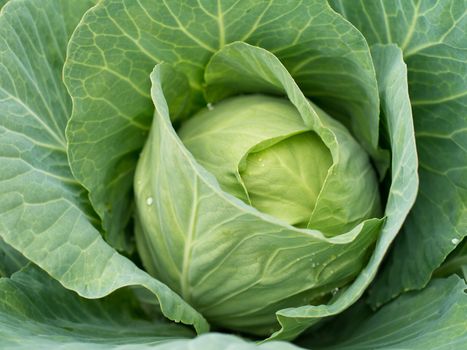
{"type": "Point", "coordinates": [286, 172]}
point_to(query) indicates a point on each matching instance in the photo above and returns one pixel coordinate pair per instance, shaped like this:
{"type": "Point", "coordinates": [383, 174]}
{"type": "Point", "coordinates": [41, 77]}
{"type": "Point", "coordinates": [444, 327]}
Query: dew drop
{"type": "Point", "coordinates": [149, 200]}
{"type": "Point", "coordinates": [334, 291]}
{"type": "Point", "coordinates": [455, 241]}
{"type": "Point", "coordinates": [210, 106]}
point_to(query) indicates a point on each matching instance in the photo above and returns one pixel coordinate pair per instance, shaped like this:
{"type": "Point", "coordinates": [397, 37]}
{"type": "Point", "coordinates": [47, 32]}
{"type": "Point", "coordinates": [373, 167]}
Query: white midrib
{"type": "Point", "coordinates": [184, 276]}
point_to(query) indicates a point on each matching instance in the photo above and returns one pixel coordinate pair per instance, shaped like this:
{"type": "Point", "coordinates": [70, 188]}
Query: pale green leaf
{"type": "Point", "coordinates": [116, 45]}
{"type": "Point", "coordinates": [395, 105]}
{"type": "Point", "coordinates": [216, 341]}
{"type": "Point", "coordinates": [432, 35]}
{"type": "Point", "coordinates": [239, 69]}
{"type": "Point", "coordinates": [220, 136]}
{"type": "Point", "coordinates": [44, 213]}
{"type": "Point", "coordinates": [236, 265]}
{"type": "Point", "coordinates": [433, 318]}
{"type": "Point", "coordinates": [62, 319]}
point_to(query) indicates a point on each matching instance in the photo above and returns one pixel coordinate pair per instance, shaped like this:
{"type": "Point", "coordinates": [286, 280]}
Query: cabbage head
{"type": "Point", "coordinates": [203, 174]}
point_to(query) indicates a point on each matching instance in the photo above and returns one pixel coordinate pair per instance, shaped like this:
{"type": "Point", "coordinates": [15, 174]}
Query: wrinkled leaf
{"type": "Point", "coordinates": [44, 213]}
{"type": "Point", "coordinates": [63, 319]}
{"type": "Point", "coordinates": [433, 318]}
{"type": "Point", "coordinates": [431, 35]}
{"type": "Point", "coordinates": [117, 44]}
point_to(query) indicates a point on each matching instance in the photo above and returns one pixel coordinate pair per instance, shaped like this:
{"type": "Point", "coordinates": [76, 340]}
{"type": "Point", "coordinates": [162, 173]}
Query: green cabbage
{"type": "Point", "coordinates": [286, 172]}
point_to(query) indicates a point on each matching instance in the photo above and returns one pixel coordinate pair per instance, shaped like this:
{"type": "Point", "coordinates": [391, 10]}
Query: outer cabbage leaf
{"type": "Point", "coordinates": [215, 341]}
{"type": "Point", "coordinates": [63, 319]}
{"type": "Point", "coordinates": [395, 105]}
{"type": "Point", "coordinates": [117, 44]}
{"type": "Point", "coordinates": [432, 36]}
{"type": "Point", "coordinates": [433, 318]}
{"type": "Point", "coordinates": [44, 213]}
